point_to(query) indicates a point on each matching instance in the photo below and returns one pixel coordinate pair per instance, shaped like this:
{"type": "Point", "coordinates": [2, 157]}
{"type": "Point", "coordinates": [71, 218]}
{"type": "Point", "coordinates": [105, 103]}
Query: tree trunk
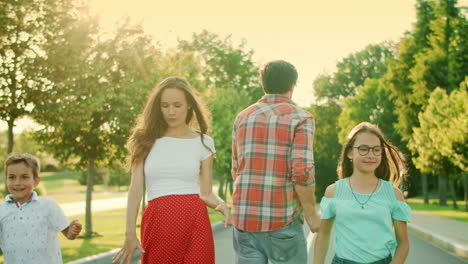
{"type": "Point", "coordinates": [89, 193]}
{"type": "Point", "coordinates": [231, 187]}
{"type": "Point", "coordinates": [443, 190]}
{"type": "Point", "coordinates": [221, 192]}
{"type": "Point", "coordinates": [10, 137]}
{"type": "Point", "coordinates": [466, 191]}
{"type": "Point", "coordinates": [454, 194]}
{"type": "Point", "coordinates": [425, 189]}
{"type": "Point", "coordinates": [435, 181]}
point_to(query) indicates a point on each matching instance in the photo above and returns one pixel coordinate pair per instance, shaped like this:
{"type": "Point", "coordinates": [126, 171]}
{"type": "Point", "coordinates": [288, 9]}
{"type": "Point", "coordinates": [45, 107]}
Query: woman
{"type": "Point", "coordinates": [364, 203]}
{"type": "Point", "coordinates": [175, 163]}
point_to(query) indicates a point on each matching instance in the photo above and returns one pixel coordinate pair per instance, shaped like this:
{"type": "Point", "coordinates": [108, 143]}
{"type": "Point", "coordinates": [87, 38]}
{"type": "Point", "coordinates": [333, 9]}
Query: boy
{"type": "Point", "coordinates": [28, 223]}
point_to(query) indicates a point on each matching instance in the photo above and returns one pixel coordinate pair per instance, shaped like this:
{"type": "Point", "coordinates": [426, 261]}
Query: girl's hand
{"type": "Point", "coordinates": [125, 254]}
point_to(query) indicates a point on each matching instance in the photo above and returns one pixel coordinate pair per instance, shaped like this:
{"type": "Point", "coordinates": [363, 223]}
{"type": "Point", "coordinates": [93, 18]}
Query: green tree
{"type": "Point", "coordinates": [326, 145]}
{"type": "Point", "coordinates": [352, 71]}
{"type": "Point", "coordinates": [22, 27]}
{"type": "Point", "coordinates": [355, 80]}
{"type": "Point", "coordinates": [441, 139]}
{"type": "Point", "coordinates": [399, 68]}
{"type": "Point", "coordinates": [433, 55]}
{"type": "Point", "coordinates": [226, 65]}
{"type": "Point", "coordinates": [25, 28]}
{"type": "Point", "coordinates": [98, 98]}
{"type": "Point", "coordinates": [231, 80]}
{"type": "Point", "coordinates": [372, 103]}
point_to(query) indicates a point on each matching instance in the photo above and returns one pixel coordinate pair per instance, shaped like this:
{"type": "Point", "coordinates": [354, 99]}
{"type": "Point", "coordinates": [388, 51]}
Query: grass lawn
{"type": "Point", "coordinates": [110, 226]}
{"type": "Point", "coordinates": [63, 187]}
{"type": "Point", "coordinates": [434, 208]}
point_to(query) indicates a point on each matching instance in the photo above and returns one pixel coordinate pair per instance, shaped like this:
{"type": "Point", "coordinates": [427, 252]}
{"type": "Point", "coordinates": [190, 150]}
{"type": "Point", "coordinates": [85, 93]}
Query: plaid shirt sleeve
{"type": "Point", "coordinates": [302, 158]}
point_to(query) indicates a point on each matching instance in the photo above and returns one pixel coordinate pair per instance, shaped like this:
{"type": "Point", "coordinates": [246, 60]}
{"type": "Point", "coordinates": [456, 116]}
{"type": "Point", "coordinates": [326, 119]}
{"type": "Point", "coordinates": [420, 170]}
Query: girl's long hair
{"type": "Point", "coordinates": [150, 124]}
{"type": "Point", "coordinates": [392, 166]}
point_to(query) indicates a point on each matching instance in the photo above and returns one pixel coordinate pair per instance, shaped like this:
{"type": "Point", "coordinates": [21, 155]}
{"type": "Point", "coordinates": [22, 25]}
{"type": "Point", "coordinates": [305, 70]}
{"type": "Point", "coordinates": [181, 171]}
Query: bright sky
{"type": "Point", "coordinates": [311, 34]}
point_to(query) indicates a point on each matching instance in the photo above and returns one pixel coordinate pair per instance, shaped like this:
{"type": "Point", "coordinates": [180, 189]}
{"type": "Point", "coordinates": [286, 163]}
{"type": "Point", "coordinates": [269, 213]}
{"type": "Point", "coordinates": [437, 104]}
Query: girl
{"type": "Point", "coordinates": [363, 203]}
{"type": "Point", "coordinates": [175, 163]}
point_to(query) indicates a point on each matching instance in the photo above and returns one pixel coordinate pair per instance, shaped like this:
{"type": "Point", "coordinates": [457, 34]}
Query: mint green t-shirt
{"type": "Point", "coordinates": [364, 234]}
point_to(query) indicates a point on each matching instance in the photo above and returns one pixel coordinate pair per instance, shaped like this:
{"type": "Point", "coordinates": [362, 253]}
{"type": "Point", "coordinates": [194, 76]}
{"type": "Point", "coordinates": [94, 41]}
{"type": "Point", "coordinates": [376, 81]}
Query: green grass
{"type": "Point", "coordinates": [63, 187]}
{"type": "Point", "coordinates": [110, 226]}
{"type": "Point", "coordinates": [434, 208]}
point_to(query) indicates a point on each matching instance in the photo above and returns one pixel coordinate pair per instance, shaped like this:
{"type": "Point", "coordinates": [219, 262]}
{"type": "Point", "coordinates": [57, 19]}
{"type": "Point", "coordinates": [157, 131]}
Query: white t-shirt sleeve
{"type": "Point", "coordinates": [57, 220]}
{"type": "Point", "coordinates": [209, 142]}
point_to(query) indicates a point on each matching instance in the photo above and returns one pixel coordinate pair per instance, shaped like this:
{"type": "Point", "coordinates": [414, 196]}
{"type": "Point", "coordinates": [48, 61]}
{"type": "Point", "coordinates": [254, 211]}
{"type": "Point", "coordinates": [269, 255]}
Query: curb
{"type": "Point", "coordinates": [106, 257]}
{"type": "Point", "coordinates": [452, 246]}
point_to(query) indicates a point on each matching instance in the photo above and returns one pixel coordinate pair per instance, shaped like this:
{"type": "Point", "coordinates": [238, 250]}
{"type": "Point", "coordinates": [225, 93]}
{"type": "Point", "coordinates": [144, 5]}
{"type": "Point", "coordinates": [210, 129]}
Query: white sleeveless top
{"type": "Point", "coordinates": [173, 165]}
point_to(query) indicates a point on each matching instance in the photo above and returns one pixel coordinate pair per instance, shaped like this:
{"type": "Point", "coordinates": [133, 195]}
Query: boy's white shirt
{"type": "Point", "coordinates": [28, 232]}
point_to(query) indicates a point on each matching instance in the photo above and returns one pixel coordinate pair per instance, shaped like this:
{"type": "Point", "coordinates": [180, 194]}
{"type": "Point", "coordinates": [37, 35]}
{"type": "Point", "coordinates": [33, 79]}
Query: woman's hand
{"type": "Point", "coordinates": [125, 254]}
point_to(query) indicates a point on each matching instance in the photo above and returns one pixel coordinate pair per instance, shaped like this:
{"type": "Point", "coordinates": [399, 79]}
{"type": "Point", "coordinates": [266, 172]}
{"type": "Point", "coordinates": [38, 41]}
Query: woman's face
{"type": "Point", "coordinates": [366, 153]}
{"type": "Point", "coordinates": [174, 107]}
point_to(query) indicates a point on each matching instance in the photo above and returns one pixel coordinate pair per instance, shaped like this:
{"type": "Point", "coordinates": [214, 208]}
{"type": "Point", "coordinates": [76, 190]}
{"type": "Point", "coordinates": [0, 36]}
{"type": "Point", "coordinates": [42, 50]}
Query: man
{"type": "Point", "coordinates": [273, 172]}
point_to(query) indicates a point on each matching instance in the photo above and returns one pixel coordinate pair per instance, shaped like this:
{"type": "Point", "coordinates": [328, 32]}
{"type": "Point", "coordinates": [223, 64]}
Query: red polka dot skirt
{"type": "Point", "coordinates": [176, 229]}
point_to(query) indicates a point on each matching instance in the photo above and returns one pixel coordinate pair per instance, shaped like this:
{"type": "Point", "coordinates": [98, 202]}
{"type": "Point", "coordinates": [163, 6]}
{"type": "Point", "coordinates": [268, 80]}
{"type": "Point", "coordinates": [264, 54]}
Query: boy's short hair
{"type": "Point", "coordinates": [278, 77]}
{"type": "Point", "coordinates": [29, 160]}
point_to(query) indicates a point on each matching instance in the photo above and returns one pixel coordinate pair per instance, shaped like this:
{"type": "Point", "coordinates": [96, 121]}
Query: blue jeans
{"type": "Point", "coordinates": [285, 245]}
{"type": "Point", "coordinates": [338, 260]}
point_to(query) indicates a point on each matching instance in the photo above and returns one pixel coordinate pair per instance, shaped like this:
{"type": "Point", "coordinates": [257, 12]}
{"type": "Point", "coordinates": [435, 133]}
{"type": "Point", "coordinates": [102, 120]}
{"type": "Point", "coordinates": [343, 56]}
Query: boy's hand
{"type": "Point", "coordinates": [74, 229]}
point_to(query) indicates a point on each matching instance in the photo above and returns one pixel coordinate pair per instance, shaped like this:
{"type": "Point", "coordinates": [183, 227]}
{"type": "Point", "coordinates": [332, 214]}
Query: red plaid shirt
{"type": "Point", "coordinates": [271, 152]}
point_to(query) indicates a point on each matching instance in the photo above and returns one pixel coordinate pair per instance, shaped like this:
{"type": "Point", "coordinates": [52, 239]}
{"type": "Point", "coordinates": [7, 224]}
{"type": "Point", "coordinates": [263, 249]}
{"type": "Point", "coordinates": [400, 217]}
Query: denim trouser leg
{"type": "Point", "coordinates": [285, 245]}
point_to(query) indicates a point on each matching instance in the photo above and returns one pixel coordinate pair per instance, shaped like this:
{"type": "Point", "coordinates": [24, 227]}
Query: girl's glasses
{"type": "Point", "coordinates": [364, 150]}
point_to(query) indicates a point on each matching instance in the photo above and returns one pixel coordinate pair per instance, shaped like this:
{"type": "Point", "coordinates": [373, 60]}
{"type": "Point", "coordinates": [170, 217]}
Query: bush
{"type": "Point", "coordinates": [118, 176]}
{"type": "Point", "coordinates": [41, 190]}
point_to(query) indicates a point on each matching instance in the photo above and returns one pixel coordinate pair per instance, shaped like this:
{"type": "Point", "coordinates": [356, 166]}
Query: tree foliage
{"type": "Point", "coordinates": [372, 103]}
{"type": "Point", "coordinates": [442, 137]}
{"type": "Point", "coordinates": [96, 98]}
{"type": "Point", "coordinates": [326, 145]}
{"type": "Point", "coordinates": [352, 71]}
{"type": "Point", "coordinates": [23, 27]}
{"type": "Point", "coordinates": [433, 55]}
{"type": "Point", "coordinates": [231, 80]}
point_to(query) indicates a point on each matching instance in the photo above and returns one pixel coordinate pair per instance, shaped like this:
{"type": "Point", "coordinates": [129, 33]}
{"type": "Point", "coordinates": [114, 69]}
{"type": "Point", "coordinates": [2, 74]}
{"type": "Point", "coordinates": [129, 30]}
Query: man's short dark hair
{"type": "Point", "coordinates": [278, 77]}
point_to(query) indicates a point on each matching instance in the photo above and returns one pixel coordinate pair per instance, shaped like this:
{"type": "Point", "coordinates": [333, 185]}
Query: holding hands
{"type": "Point", "coordinates": [222, 208]}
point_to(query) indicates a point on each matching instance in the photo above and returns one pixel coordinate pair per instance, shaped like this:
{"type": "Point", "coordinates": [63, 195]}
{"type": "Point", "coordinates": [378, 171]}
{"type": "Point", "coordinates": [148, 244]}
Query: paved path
{"type": "Point", "coordinates": [446, 233]}
{"type": "Point", "coordinates": [78, 208]}
{"type": "Point", "coordinates": [421, 251]}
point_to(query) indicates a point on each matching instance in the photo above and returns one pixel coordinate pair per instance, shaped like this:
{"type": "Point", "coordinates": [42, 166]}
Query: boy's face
{"type": "Point", "coordinates": [20, 181]}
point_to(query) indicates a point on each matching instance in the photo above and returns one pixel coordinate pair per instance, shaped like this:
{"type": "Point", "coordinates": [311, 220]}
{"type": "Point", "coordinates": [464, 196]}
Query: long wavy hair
{"type": "Point", "coordinates": [150, 124]}
{"type": "Point", "coordinates": [392, 166]}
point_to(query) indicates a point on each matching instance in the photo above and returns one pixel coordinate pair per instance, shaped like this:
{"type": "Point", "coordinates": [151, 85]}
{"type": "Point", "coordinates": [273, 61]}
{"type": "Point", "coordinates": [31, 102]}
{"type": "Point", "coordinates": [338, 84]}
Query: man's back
{"type": "Point", "coordinates": [272, 151]}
